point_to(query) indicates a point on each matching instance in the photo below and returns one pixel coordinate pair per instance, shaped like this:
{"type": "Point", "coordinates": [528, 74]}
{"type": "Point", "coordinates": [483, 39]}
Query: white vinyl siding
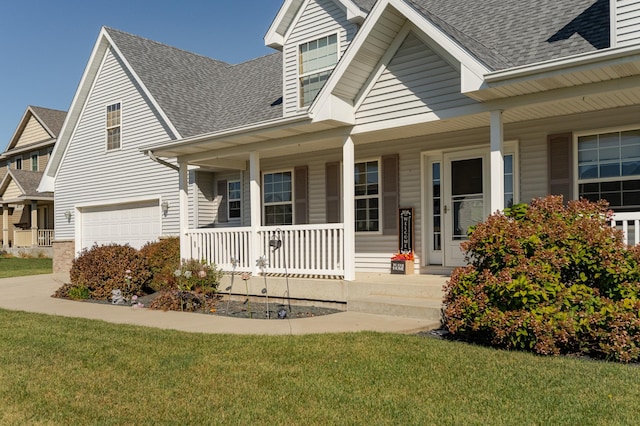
{"type": "Point", "coordinates": [416, 81]}
{"type": "Point", "coordinates": [88, 175]}
{"type": "Point", "coordinates": [317, 19]}
{"type": "Point", "coordinates": [626, 22]}
{"type": "Point", "coordinates": [33, 132]}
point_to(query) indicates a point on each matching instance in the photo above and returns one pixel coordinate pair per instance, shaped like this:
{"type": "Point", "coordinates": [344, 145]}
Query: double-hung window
{"type": "Point", "coordinates": [18, 163]}
{"type": "Point", "coordinates": [278, 198]}
{"type": "Point", "coordinates": [367, 192]}
{"type": "Point", "coordinates": [316, 61]}
{"type": "Point", "coordinates": [234, 194]}
{"type": "Point", "coordinates": [113, 126]}
{"type": "Point", "coordinates": [609, 168]}
{"type": "Point", "coordinates": [34, 162]}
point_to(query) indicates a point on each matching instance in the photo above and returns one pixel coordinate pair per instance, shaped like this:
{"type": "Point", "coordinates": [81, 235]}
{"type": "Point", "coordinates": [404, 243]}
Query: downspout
{"type": "Point", "coordinates": [152, 156]}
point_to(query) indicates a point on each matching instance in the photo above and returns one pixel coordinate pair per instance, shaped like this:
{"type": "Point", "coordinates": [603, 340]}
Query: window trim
{"type": "Point", "coordinates": [34, 162]}
{"type": "Point", "coordinates": [18, 163]}
{"type": "Point", "coordinates": [379, 196]}
{"type": "Point", "coordinates": [300, 76]}
{"type": "Point", "coordinates": [230, 200]}
{"type": "Point", "coordinates": [107, 128]}
{"type": "Point", "coordinates": [292, 202]}
{"type": "Point", "coordinates": [511, 147]}
{"type": "Point", "coordinates": [593, 132]}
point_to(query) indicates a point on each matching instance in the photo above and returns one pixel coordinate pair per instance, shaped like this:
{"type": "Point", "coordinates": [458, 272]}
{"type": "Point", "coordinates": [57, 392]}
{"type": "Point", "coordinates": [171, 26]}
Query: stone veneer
{"type": "Point", "coordinates": [63, 254]}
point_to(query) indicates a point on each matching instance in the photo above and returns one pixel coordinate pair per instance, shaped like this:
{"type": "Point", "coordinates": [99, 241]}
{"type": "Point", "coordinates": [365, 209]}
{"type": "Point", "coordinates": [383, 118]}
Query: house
{"type": "Point", "coordinates": [443, 110]}
{"type": "Point", "coordinates": [27, 216]}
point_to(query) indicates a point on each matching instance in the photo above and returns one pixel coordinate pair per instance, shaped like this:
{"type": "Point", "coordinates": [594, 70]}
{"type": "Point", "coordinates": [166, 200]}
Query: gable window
{"type": "Point", "coordinates": [234, 194]}
{"type": "Point", "coordinates": [278, 198]}
{"type": "Point", "coordinates": [609, 168]}
{"type": "Point", "coordinates": [316, 61]}
{"type": "Point", "coordinates": [34, 162]}
{"type": "Point", "coordinates": [367, 192]}
{"type": "Point", "coordinates": [113, 127]}
{"type": "Point", "coordinates": [18, 163]}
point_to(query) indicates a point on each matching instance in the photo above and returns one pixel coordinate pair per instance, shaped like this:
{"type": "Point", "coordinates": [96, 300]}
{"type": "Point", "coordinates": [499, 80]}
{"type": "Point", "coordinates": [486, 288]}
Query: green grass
{"type": "Point", "coordinates": [56, 370]}
{"type": "Point", "coordinates": [18, 267]}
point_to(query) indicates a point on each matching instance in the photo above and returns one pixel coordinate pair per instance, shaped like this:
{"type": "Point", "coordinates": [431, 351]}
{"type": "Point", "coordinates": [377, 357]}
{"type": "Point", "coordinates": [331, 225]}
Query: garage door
{"type": "Point", "coordinates": [133, 224]}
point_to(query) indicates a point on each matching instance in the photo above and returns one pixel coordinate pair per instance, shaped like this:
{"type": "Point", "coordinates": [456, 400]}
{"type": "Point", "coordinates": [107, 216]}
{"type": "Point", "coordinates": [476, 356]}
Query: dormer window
{"type": "Point", "coordinates": [113, 127]}
{"type": "Point", "coordinates": [316, 61]}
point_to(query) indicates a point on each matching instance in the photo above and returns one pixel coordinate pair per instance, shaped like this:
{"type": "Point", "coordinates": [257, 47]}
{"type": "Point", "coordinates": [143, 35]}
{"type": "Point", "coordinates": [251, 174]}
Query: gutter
{"type": "Point", "coordinates": [161, 161]}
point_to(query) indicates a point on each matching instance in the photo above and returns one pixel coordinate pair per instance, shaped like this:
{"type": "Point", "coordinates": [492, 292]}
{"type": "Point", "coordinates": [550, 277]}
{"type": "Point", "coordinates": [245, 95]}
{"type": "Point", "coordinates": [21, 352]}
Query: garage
{"type": "Point", "coordinates": [133, 223]}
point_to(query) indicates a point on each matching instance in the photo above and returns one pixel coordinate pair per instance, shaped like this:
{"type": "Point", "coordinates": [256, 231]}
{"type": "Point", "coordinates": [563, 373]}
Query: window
{"type": "Point", "coordinates": [367, 191]}
{"type": "Point", "coordinates": [278, 198]}
{"type": "Point", "coordinates": [18, 163]}
{"type": "Point", "coordinates": [609, 168]}
{"type": "Point", "coordinates": [34, 162]}
{"type": "Point", "coordinates": [316, 61]}
{"type": "Point", "coordinates": [509, 181]}
{"type": "Point", "coordinates": [234, 197]}
{"type": "Point", "coordinates": [113, 127]}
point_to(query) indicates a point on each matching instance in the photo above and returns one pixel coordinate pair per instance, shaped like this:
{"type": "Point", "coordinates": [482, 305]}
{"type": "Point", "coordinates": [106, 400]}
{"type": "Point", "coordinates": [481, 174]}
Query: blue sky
{"type": "Point", "coordinates": [45, 44]}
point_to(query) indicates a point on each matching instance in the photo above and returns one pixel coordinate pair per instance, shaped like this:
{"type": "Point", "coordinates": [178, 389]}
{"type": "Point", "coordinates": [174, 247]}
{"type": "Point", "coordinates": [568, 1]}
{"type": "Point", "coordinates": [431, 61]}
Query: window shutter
{"type": "Point", "coordinates": [301, 197]}
{"type": "Point", "coordinates": [560, 165]}
{"type": "Point", "coordinates": [223, 216]}
{"type": "Point", "coordinates": [390, 194]}
{"type": "Point", "coordinates": [332, 192]}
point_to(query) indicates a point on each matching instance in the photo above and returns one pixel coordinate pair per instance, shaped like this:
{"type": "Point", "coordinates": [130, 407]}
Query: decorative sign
{"type": "Point", "coordinates": [405, 238]}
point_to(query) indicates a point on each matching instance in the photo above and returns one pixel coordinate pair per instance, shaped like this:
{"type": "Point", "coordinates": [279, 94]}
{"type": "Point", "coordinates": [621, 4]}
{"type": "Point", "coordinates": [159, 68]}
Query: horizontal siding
{"type": "Point", "coordinates": [12, 191]}
{"type": "Point", "coordinates": [89, 174]}
{"type": "Point", "coordinates": [416, 81]}
{"type": "Point", "coordinates": [33, 132]}
{"type": "Point", "coordinates": [204, 199]}
{"type": "Point", "coordinates": [627, 22]}
{"type": "Point", "coordinates": [319, 18]}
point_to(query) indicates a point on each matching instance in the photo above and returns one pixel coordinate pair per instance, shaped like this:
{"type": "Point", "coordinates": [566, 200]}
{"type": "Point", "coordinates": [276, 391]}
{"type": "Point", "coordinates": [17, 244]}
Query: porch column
{"type": "Point", "coordinates": [5, 225]}
{"type": "Point", "coordinates": [256, 216]}
{"type": "Point", "coordinates": [348, 212]}
{"type": "Point", "coordinates": [183, 173]}
{"type": "Point", "coordinates": [496, 163]}
{"type": "Point", "coordinates": [34, 223]}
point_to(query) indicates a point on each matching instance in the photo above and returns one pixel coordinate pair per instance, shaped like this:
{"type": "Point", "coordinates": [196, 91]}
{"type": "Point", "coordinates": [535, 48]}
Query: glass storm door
{"type": "Point", "coordinates": [463, 203]}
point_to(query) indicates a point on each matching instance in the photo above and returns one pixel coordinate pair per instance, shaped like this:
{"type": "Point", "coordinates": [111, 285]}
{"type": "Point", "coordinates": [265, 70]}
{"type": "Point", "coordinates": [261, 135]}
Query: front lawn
{"type": "Point", "coordinates": [56, 370]}
{"type": "Point", "coordinates": [18, 267]}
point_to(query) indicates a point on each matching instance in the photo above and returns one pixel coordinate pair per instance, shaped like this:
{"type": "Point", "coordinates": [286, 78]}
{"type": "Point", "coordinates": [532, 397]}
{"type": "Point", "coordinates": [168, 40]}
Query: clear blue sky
{"type": "Point", "coordinates": [45, 44]}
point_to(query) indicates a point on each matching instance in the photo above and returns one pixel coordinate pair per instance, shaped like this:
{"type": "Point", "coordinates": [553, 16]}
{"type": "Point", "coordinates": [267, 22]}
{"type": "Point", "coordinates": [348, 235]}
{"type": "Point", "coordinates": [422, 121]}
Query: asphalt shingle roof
{"type": "Point", "coordinates": [29, 182]}
{"type": "Point", "coordinates": [52, 118]}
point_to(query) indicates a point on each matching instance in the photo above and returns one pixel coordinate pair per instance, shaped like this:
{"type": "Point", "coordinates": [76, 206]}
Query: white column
{"type": "Point", "coordinates": [34, 223]}
{"type": "Point", "coordinates": [183, 173]}
{"type": "Point", "coordinates": [256, 208]}
{"type": "Point", "coordinates": [496, 163]}
{"type": "Point", "coordinates": [348, 209]}
{"type": "Point", "coordinates": [5, 225]}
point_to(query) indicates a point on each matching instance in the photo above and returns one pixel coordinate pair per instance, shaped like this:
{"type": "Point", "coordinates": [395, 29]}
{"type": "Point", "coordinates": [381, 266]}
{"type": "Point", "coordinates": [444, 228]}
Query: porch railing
{"type": "Point", "coordinates": [305, 249]}
{"type": "Point", "coordinates": [25, 238]}
{"type": "Point", "coordinates": [630, 225]}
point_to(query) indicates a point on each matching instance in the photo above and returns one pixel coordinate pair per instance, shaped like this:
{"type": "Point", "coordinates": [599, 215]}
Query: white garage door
{"type": "Point", "coordinates": [133, 224]}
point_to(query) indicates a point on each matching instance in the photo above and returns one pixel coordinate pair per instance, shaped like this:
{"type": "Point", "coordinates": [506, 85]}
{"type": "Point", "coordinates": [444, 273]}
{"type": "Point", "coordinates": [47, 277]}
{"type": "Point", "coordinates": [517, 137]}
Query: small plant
{"type": "Point", "coordinates": [403, 256]}
{"type": "Point", "coordinates": [78, 292]}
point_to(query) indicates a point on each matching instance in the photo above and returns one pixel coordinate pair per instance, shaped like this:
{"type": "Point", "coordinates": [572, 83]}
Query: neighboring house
{"type": "Point", "coordinates": [27, 215]}
{"type": "Point", "coordinates": [451, 108]}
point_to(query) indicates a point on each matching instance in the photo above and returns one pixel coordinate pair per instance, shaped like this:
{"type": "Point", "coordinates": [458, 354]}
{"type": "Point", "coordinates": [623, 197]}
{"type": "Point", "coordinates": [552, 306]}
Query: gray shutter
{"type": "Point", "coordinates": [390, 194]}
{"type": "Point", "coordinates": [223, 216]}
{"type": "Point", "coordinates": [560, 165]}
{"type": "Point", "coordinates": [332, 192]}
{"type": "Point", "coordinates": [301, 196]}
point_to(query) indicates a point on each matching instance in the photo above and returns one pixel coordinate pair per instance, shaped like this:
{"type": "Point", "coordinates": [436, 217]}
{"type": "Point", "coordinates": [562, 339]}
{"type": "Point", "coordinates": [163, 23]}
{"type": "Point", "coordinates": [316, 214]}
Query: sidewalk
{"type": "Point", "coordinates": [33, 294]}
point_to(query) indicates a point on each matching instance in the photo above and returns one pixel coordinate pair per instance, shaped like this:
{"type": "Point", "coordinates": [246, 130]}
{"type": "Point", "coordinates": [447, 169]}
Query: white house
{"type": "Point", "coordinates": [451, 108]}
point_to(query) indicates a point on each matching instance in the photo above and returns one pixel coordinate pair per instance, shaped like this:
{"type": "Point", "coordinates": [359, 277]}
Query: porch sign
{"type": "Point", "coordinates": [405, 237]}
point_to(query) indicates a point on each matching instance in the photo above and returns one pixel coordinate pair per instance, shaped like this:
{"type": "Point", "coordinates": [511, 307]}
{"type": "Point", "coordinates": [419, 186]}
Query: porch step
{"type": "Point", "coordinates": [406, 307]}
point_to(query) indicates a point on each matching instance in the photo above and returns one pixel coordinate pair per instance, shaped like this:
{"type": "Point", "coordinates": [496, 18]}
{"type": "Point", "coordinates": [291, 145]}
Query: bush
{"type": "Point", "coordinates": [551, 279]}
{"type": "Point", "coordinates": [198, 276]}
{"type": "Point", "coordinates": [187, 301]}
{"type": "Point", "coordinates": [102, 269]}
{"type": "Point", "coordinates": [163, 258]}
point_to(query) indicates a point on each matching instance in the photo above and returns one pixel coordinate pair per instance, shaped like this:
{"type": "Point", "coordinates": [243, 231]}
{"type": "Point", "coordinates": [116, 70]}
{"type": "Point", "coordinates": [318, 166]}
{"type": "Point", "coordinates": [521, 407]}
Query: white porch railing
{"type": "Point", "coordinates": [630, 225]}
{"type": "Point", "coordinates": [305, 249]}
{"type": "Point", "coordinates": [33, 237]}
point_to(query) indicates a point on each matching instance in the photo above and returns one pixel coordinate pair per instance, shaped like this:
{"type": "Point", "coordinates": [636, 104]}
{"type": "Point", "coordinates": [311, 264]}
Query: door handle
{"type": "Point", "coordinates": [446, 209]}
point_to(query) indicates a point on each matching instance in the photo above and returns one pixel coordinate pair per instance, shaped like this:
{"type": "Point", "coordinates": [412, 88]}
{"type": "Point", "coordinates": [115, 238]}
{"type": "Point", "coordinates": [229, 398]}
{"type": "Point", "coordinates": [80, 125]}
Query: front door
{"type": "Point", "coordinates": [464, 204]}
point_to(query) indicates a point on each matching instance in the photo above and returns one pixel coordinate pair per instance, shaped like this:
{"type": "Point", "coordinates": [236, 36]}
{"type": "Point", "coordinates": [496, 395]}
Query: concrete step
{"type": "Point", "coordinates": [405, 307]}
{"type": "Point", "coordinates": [426, 289]}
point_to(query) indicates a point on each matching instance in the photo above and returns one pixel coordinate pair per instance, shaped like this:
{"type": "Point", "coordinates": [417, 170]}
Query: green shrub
{"type": "Point", "coordinates": [163, 258]}
{"type": "Point", "coordinates": [102, 269]}
{"type": "Point", "coordinates": [551, 279]}
{"type": "Point", "coordinates": [78, 292]}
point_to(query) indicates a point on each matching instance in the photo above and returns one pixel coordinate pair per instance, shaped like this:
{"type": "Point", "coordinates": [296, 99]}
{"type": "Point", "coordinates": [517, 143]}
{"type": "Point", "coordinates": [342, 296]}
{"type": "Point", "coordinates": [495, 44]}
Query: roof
{"type": "Point", "coordinates": [201, 94]}
{"type": "Point", "coordinates": [50, 119]}
{"type": "Point", "coordinates": [508, 34]}
{"type": "Point", "coordinates": [28, 182]}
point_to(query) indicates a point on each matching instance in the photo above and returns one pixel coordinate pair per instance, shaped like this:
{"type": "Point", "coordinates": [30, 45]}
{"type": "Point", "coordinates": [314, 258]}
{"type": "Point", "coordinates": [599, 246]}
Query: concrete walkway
{"type": "Point", "coordinates": [33, 294]}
